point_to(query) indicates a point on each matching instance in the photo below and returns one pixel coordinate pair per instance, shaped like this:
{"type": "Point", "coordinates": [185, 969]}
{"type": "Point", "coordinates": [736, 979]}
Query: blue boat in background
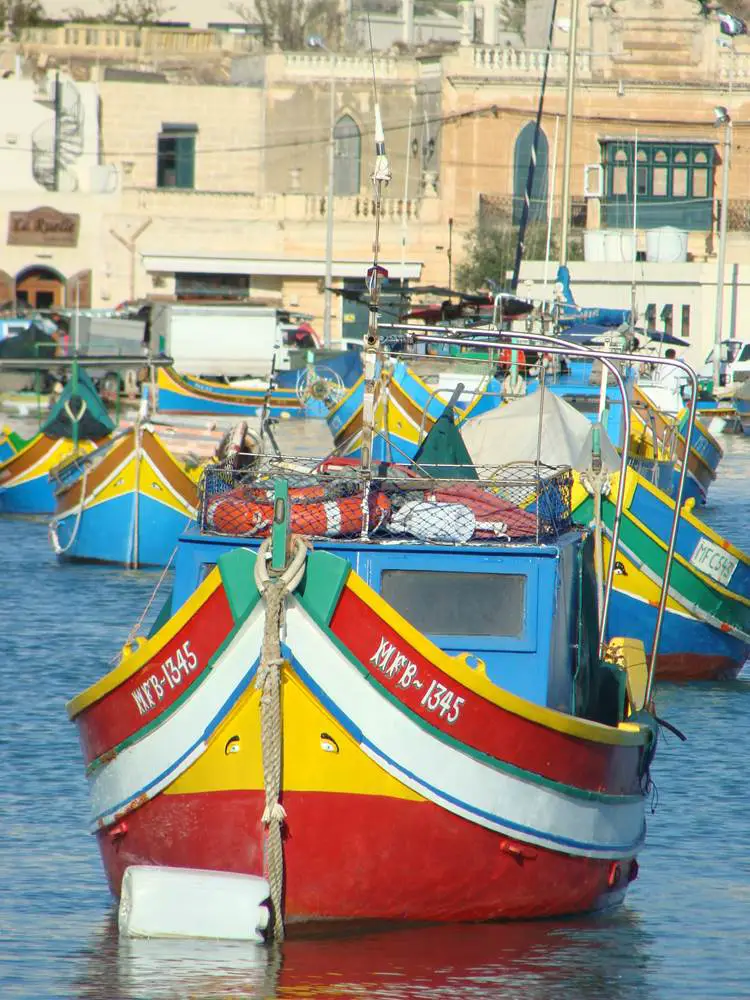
{"type": "Point", "coordinates": [298, 393]}
{"type": "Point", "coordinates": [77, 423]}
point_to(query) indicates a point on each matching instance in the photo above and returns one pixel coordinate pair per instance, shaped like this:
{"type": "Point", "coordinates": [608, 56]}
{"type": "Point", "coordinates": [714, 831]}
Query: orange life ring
{"type": "Point", "coordinates": [506, 356]}
{"type": "Point", "coordinates": [249, 511]}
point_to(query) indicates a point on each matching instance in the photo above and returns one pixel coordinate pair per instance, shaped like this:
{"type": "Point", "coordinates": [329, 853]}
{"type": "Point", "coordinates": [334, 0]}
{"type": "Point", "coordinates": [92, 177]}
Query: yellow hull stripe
{"type": "Point", "coordinates": [318, 754]}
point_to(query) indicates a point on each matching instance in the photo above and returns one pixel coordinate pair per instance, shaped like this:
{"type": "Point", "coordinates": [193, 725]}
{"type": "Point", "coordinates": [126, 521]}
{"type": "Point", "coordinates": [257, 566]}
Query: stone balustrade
{"type": "Point", "coordinates": [522, 63]}
{"type": "Point", "coordinates": [122, 39]}
{"type": "Point", "coordinates": [323, 65]}
{"type": "Point", "coordinates": [276, 207]}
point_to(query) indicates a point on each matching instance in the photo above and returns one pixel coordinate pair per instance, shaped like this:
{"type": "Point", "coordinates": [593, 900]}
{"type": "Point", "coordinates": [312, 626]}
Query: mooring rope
{"type": "Point", "coordinates": [54, 524]}
{"type": "Point", "coordinates": [274, 589]}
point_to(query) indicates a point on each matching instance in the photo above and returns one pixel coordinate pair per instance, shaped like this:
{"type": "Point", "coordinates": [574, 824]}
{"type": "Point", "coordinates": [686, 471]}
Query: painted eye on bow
{"type": "Point", "coordinates": [328, 743]}
{"type": "Point", "coordinates": [233, 745]}
{"type": "Point", "coordinates": [620, 569]}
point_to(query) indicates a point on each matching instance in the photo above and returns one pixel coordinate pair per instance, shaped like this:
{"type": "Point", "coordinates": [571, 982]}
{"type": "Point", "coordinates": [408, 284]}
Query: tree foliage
{"type": "Point", "coordinates": [292, 22]}
{"type": "Point", "coordinates": [23, 14]}
{"type": "Point", "coordinates": [123, 12]}
{"type": "Point", "coordinates": [490, 252]}
{"type": "Point", "coordinates": [512, 15]}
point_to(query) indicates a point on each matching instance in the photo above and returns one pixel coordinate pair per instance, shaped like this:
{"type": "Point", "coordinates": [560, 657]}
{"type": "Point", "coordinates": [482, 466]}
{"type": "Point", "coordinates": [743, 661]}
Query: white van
{"type": "Point", "coordinates": [735, 362]}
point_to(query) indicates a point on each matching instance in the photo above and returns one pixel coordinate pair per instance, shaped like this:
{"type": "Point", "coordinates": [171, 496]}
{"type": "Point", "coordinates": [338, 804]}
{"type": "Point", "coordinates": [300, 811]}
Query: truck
{"type": "Point", "coordinates": [231, 340]}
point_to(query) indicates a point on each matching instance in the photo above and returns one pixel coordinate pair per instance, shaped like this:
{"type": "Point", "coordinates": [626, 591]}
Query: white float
{"type": "Point", "coordinates": [717, 426]}
{"type": "Point", "coordinates": [159, 901]}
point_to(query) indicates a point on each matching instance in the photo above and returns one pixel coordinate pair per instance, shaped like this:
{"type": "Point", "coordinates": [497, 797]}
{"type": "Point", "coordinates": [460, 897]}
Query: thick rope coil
{"type": "Point", "coordinates": [274, 590]}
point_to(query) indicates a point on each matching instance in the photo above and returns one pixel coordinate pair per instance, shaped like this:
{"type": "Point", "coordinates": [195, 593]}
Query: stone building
{"type": "Point", "coordinates": [199, 166]}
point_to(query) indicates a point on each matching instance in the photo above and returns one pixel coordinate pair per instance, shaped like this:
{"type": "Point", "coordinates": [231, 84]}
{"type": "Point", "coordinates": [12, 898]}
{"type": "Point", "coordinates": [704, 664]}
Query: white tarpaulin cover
{"type": "Point", "coordinates": [509, 433]}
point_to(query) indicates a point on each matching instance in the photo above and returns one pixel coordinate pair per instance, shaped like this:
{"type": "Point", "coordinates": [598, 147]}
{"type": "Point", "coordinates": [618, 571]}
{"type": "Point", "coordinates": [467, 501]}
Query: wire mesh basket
{"type": "Point", "coordinates": [332, 499]}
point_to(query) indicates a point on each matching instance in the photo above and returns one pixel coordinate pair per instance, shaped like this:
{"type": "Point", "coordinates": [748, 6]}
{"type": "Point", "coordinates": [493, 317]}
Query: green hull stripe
{"type": "Point", "coordinates": [325, 578]}
{"type": "Point", "coordinates": [237, 568]}
{"type": "Point", "coordinates": [683, 580]}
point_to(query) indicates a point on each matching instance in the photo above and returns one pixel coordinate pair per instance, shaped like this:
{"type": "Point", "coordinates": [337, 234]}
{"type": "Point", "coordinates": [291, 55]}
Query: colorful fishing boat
{"type": "Point", "coordinates": [125, 503]}
{"type": "Point", "coordinates": [454, 706]}
{"type": "Point", "coordinates": [298, 393]}
{"type": "Point", "coordinates": [581, 387]}
{"type": "Point", "coordinates": [77, 423]}
{"type": "Point", "coordinates": [406, 407]}
{"type": "Point", "coordinates": [385, 690]}
{"type": "Point", "coordinates": [706, 628]}
{"type": "Point", "coordinates": [651, 425]}
{"type": "Point", "coordinates": [10, 443]}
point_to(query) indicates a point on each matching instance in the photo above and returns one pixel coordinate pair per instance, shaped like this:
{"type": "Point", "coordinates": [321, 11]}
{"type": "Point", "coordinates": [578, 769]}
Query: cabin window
{"type": "Point", "coordinates": [480, 604]}
{"type": "Point", "coordinates": [204, 570]}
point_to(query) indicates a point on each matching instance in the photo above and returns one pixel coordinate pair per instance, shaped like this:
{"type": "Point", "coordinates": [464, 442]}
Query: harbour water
{"type": "Point", "coordinates": [683, 932]}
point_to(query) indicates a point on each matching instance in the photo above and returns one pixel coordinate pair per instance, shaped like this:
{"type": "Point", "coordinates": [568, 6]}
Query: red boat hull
{"type": "Point", "coordinates": [331, 867]}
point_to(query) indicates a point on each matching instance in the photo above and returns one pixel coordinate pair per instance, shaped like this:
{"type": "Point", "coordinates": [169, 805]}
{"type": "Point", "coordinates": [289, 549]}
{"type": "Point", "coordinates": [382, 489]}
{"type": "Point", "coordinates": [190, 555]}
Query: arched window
{"type": "Point", "coordinates": [346, 156]}
{"type": "Point", "coordinates": [521, 160]}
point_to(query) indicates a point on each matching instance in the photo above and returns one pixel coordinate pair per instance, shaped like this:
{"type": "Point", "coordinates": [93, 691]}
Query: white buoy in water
{"type": "Point", "coordinates": [159, 901]}
{"type": "Point", "coordinates": [716, 426]}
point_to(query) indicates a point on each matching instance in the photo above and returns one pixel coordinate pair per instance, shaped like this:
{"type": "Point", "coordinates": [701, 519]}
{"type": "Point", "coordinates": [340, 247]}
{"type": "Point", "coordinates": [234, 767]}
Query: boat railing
{"type": "Point", "coordinates": [611, 360]}
{"type": "Point", "coordinates": [434, 504]}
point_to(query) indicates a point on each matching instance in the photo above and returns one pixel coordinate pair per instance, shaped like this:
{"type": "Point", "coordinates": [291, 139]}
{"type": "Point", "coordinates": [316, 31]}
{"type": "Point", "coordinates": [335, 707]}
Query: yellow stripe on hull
{"type": "Point", "coordinates": [318, 754]}
{"type": "Point", "coordinates": [149, 484]}
{"type": "Point", "coordinates": [55, 457]}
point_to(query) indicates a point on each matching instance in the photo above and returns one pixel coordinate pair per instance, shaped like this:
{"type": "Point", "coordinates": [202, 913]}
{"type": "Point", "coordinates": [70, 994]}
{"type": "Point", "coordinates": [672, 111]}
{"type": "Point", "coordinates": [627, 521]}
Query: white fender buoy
{"type": "Point", "coordinates": [159, 901]}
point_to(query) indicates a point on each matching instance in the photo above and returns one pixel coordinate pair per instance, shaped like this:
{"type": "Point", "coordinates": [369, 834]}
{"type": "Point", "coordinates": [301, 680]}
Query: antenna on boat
{"type": "Point", "coordinates": [376, 274]}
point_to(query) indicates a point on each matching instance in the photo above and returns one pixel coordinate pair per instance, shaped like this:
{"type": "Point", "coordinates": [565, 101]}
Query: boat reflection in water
{"type": "Point", "coordinates": [593, 957]}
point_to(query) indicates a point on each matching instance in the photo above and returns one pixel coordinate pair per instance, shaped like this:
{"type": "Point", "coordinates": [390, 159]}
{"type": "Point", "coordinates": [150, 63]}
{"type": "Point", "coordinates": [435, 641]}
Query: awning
{"type": "Point", "coordinates": [283, 267]}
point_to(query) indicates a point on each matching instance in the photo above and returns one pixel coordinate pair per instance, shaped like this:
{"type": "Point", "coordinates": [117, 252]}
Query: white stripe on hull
{"type": "Point", "coordinates": [508, 803]}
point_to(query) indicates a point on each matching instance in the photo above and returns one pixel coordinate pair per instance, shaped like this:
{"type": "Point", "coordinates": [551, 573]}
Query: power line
{"type": "Point", "coordinates": [451, 118]}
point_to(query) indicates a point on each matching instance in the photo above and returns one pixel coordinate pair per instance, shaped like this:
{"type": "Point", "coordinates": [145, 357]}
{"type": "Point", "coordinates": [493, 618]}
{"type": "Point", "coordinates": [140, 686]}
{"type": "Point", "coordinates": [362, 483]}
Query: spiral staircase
{"type": "Point", "coordinates": [67, 123]}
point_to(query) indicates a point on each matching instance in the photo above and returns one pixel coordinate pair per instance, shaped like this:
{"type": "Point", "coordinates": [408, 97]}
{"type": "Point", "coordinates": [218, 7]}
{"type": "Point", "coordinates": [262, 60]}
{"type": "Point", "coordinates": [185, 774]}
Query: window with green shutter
{"type": "Point", "coordinates": [664, 183]}
{"type": "Point", "coordinates": [175, 157]}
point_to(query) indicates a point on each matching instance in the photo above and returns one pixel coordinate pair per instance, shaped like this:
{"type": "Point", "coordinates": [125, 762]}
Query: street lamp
{"type": "Point", "coordinates": [721, 116]}
{"type": "Point", "coordinates": [316, 42]}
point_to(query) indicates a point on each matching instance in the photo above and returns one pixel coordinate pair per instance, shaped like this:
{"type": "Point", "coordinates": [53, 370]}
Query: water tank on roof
{"type": "Point", "coordinates": [594, 241]}
{"type": "Point", "coordinates": [666, 245]}
{"type": "Point", "coordinates": [619, 246]}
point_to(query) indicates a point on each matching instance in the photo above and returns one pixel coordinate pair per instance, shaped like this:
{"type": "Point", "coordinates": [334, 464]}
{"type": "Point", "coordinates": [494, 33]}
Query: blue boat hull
{"type": "Point", "coordinates": [33, 497]}
{"type": "Point", "coordinates": [105, 532]}
{"type": "Point", "coordinates": [688, 649]}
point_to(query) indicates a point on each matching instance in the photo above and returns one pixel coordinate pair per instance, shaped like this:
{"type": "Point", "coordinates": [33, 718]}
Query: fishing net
{"type": "Point", "coordinates": [333, 500]}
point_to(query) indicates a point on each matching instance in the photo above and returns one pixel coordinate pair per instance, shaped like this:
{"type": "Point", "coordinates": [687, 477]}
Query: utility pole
{"type": "Point", "coordinates": [572, 46]}
{"type": "Point", "coordinates": [316, 42]}
{"type": "Point", "coordinates": [722, 118]}
{"type": "Point", "coordinates": [130, 246]}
